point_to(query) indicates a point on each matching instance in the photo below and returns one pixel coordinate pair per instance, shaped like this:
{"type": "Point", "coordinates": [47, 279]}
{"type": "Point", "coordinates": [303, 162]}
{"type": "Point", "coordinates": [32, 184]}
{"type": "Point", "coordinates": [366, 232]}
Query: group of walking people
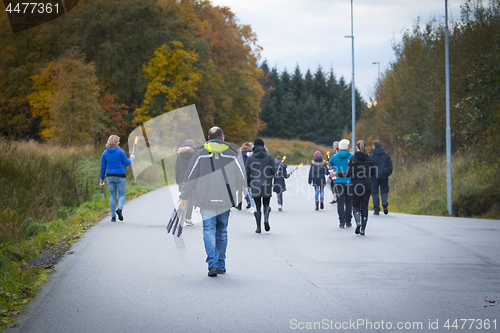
{"type": "Point", "coordinates": [354, 179]}
{"type": "Point", "coordinates": [216, 178]}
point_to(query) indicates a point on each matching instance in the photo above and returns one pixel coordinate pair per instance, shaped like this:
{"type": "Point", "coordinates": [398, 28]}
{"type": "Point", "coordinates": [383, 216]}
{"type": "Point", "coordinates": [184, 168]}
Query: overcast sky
{"type": "Point", "coordinates": [311, 33]}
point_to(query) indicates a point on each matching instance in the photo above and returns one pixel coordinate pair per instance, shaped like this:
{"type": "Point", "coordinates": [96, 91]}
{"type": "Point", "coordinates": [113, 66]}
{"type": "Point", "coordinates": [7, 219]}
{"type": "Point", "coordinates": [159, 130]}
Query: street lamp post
{"type": "Point", "coordinates": [352, 86]}
{"type": "Point", "coordinates": [448, 127]}
{"type": "Point", "coordinates": [375, 63]}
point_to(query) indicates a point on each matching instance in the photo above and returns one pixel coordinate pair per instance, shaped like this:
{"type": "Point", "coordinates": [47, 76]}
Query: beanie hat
{"type": "Point", "coordinates": [344, 144]}
{"type": "Point", "coordinates": [317, 153]}
{"type": "Point", "coordinates": [189, 143]}
{"type": "Point", "coordinates": [258, 142]}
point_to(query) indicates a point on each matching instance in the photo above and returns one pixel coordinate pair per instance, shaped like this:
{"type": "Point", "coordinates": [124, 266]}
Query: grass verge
{"type": "Point", "coordinates": [420, 187]}
{"type": "Point", "coordinates": [49, 196]}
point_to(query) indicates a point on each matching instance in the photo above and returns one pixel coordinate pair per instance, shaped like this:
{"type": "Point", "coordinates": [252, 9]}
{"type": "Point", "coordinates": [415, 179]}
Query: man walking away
{"type": "Point", "coordinates": [212, 178]}
{"type": "Point", "coordinates": [384, 170]}
{"type": "Point", "coordinates": [339, 163]}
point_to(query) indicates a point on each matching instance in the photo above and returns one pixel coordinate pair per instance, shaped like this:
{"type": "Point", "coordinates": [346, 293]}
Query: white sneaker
{"type": "Point", "coordinates": [188, 222]}
{"type": "Point", "coordinates": [279, 208]}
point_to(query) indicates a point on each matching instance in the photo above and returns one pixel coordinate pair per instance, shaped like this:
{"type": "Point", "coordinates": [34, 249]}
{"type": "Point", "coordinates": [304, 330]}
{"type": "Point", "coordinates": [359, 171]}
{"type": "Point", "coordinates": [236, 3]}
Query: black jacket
{"type": "Point", "coordinates": [260, 172]}
{"type": "Point", "coordinates": [205, 180]}
{"type": "Point", "coordinates": [184, 155]}
{"type": "Point", "coordinates": [360, 168]}
{"type": "Point", "coordinates": [279, 180]}
{"type": "Point", "coordinates": [317, 172]}
{"type": "Point", "coordinates": [382, 162]}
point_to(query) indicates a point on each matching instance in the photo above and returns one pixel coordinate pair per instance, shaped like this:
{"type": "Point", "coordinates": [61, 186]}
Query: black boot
{"type": "Point", "coordinates": [258, 218]}
{"type": "Point", "coordinates": [238, 207]}
{"type": "Point", "coordinates": [364, 220]}
{"type": "Point", "coordinates": [267, 210]}
{"type": "Point", "coordinates": [357, 218]}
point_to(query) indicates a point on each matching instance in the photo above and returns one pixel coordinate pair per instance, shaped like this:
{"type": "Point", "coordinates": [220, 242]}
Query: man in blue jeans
{"type": "Point", "coordinates": [212, 178]}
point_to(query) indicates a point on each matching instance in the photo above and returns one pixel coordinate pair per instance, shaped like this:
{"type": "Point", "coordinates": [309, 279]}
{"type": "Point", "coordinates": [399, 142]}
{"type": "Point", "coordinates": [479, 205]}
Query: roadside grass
{"type": "Point", "coordinates": [295, 151]}
{"type": "Point", "coordinates": [49, 196]}
{"type": "Point", "coordinates": [419, 187]}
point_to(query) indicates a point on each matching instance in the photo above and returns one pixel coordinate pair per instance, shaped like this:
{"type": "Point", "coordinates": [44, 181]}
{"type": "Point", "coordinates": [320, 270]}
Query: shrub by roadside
{"type": "Point", "coordinates": [479, 203]}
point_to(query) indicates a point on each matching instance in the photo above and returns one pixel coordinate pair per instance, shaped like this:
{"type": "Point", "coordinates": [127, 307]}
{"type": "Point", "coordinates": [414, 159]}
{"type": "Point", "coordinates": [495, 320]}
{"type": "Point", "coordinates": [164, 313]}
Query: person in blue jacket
{"type": "Point", "coordinates": [343, 185]}
{"type": "Point", "coordinates": [113, 163]}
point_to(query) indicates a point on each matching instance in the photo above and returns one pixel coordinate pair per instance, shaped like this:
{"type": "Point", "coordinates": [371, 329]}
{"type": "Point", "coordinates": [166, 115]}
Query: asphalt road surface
{"type": "Point", "coordinates": [408, 274]}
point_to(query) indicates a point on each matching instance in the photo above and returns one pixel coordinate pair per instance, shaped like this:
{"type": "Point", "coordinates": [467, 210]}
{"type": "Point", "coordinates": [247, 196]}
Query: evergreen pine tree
{"type": "Point", "coordinates": [297, 84]}
{"type": "Point", "coordinates": [308, 85]}
{"type": "Point", "coordinates": [289, 116]}
{"type": "Point", "coordinates": [319, 85]}
{"type": "Point", "coordinates": [308, 119]}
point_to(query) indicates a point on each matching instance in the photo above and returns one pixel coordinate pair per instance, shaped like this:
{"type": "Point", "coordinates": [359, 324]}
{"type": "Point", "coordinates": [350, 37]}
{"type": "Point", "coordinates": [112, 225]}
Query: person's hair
{"type": "Point", "coordinates": [246, 146]}
{"type": "Point", "coordinates": [335, 146]}
{"type": "Point", "coordinates": [215, 133]}
{"type": "Point", "coordinates": [377, 144]}
{"type": "Point", "coordinates": [362, 146]}
{"type": "Point", "coordinates": [113, 141]}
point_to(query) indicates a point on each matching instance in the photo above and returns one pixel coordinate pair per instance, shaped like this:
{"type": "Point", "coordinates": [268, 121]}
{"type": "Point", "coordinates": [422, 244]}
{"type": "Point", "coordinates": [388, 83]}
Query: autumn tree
{"type": "Point", "coordinates": [173, 78]}
{"type": "Point", "coordinates": [68, 101]}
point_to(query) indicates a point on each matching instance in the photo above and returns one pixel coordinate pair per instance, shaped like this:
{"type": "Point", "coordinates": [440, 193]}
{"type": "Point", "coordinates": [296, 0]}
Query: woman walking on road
{"type": "Point", "coordinates": [361, 167]}
{"type": "Point", "coordinates": [279, 181]}
{"type": "Point", "coordinates": [260, 171]}
{"type": "Point", "coordinates": [113, 163]}
{"type": "Point", "coordinates": [317, 173]}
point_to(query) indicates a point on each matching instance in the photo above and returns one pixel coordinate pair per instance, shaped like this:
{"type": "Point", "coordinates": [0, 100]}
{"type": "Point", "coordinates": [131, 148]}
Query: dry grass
{"type": "Point", "coordinates": [295, 151]}
{"type": "Point", "coordinates": [419, 187]}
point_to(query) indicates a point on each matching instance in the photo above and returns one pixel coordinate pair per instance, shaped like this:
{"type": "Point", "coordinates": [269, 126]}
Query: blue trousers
{"type": "Point", "coordinates": [116, 184]}
{"type": "Point", "coordinates": [215, 236]}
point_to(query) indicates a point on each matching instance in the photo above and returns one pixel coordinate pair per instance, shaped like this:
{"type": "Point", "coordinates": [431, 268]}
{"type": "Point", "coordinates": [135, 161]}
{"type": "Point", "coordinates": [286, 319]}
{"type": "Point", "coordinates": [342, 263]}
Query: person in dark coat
{"type": "Point", "coordinates": [381, 179]}
{"type": "Point", "coordinates": [279, 181]}
{"type": "Point", "coordinates": [245, 151]}
{"type": "Point", "coordinates": [260, 170]}
{"type": "Point", "coordinates": [317, 173]}
{"type": "Point", "coordinates": [361, 167]}
{"type": "Point", "coordinates": [184, 155]}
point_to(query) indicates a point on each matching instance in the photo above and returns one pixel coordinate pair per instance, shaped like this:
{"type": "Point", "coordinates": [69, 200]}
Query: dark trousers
{"type": "Point", "coordinates": [360, 198]}
{"type": "Point", "coordinates": [261, 201]}
{"type": "Point", "coordinates": [383, 184]}
{"type": "Point", "coordinates": [344, 202]}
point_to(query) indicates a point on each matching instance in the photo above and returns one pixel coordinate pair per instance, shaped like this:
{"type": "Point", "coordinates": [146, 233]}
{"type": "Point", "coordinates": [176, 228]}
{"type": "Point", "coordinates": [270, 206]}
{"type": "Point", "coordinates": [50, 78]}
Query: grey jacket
{"type": "Point", "coordinates": [213, 176]}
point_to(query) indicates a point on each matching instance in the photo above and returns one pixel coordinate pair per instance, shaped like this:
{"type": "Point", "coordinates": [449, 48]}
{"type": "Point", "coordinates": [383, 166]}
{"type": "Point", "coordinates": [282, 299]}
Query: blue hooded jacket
{"type": "Point", "coordinates": [339, 164]}
{"type": "Point", "coordinates": [113, 162]}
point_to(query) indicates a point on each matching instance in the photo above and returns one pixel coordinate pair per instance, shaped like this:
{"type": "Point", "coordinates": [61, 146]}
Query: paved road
{"type": "Point", "coordinates": [305, 275]}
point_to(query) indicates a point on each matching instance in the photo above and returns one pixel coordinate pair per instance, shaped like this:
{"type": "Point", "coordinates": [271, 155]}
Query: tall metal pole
{"type": "Point", "coordinates": [448, 126]}
{"type": "Point", "coordinates": [352, 87]}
